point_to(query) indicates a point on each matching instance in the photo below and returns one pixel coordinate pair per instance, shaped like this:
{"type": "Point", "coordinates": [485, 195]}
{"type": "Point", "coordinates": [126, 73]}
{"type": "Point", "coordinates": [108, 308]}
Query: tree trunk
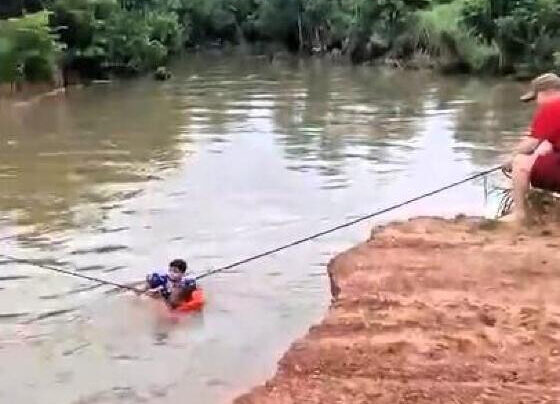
{"type": "Point", "coordinates": [240, 37]}
{"type": "Point", "coordinates": [300, 32]}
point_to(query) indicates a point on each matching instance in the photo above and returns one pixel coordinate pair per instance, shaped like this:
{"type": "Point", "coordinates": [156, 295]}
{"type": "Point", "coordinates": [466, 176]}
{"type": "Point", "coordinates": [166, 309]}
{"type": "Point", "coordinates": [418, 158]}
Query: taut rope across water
{"type": "Point", "coordinates": [271, 251]}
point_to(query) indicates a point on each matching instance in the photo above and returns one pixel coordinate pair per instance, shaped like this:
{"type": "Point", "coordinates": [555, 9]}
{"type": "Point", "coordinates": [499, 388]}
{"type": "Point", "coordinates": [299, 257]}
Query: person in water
{"type": "Point", "coordinates": [174, 286]}
{"type": "Point", "coordinates": [536, 159]}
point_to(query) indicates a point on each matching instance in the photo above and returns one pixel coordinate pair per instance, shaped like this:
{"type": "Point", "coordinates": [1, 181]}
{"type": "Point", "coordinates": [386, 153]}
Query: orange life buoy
{"type": "Point", "coordinates": [194, 303]}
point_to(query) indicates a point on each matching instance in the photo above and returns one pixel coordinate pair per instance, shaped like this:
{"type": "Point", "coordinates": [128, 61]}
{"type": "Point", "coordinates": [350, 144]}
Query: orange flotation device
{"type": "Point", "coordinates": [194, 303]}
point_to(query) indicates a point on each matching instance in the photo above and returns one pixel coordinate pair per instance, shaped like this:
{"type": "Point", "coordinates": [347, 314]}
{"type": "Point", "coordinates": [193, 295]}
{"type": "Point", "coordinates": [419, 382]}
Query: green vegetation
{"type": "Point", "coordinates": [27, 49]}
{"type": "Point", "coordinates": [101, 37]}
{"type": "Point", "coordinates": [442, 32]}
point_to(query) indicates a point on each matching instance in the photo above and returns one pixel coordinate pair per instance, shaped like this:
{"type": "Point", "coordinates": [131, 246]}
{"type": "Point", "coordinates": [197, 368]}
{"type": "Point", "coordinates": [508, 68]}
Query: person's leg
{"type": "Point", "coordinates": [521, 177]}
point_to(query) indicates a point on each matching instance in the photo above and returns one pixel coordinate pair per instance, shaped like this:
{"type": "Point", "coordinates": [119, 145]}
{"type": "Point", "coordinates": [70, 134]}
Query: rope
{"type": "Point", "coordinates": [346, 224]}
{"type": "Point", "coordinates": [71, 273]}
{"type": "Point", "coordinates": [269, 252]}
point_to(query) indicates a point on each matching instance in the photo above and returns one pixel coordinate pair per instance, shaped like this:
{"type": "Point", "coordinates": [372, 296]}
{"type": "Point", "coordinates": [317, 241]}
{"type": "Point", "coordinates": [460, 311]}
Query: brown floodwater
{"type": "Point", "coordinates": [230, 157]}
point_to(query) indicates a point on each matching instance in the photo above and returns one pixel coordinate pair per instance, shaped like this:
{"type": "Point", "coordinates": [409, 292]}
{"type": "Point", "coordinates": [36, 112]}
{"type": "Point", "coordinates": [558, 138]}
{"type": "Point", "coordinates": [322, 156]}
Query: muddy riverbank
{"type": "Point", "coordinates": [433, 311]}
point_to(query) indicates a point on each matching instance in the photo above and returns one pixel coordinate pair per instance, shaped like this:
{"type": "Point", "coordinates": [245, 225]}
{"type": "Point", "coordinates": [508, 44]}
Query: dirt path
{"type": "Point", "coordinates": [433, 311]}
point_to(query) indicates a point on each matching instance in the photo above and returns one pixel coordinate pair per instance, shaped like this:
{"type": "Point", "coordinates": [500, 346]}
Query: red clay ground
{"type": "Point", "coordinates": [433, 311]}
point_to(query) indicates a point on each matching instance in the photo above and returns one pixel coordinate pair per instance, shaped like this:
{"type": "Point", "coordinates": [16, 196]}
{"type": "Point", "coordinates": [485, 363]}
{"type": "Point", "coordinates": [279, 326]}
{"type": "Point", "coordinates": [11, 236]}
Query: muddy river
{"type": "Point", "coordinates": [230, 157]}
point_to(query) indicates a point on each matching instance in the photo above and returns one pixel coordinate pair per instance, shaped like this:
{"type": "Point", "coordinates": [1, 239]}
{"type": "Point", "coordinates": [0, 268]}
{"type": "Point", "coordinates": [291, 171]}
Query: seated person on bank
{"type": "Point", "coordinates": [536, 160]}
{"type": "Point", "coordinates": [174, 286]}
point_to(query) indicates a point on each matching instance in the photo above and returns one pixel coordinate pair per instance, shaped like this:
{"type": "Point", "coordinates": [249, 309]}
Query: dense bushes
{"type": "Point", "coordinates": [102, 36]}
{"type": "Point", "coordinates": [441, 32]}
{"type": "Point", "coordinates": [128, 36]}
{"type": "Point", "coordinates": [28, 50]}
{"type": "Point", "coordinates": [526, 32]}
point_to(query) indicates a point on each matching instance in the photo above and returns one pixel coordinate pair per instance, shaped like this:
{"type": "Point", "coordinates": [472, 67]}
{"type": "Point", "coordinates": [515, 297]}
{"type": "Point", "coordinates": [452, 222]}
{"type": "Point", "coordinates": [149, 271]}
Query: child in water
{"type": "Point", "coordinates": [174, 286]}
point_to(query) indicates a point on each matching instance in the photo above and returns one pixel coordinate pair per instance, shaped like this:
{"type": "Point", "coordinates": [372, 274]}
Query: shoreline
{"type": "Point", "coordinates": [432, 311]}
{"type": "Point", "coordinates": [31, 92]}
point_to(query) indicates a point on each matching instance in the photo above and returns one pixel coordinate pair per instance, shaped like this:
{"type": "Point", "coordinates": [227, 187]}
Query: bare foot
{"type": "Point", "coordinates": [514, 222]}
{"type": "Point", "coordinates": [509, 218]}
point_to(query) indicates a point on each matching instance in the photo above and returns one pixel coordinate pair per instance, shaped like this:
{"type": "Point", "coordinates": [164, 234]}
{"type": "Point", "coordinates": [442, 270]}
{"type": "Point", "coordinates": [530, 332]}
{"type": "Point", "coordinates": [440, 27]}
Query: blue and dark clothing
{"type": "Point", "coordinates": [186, 285]}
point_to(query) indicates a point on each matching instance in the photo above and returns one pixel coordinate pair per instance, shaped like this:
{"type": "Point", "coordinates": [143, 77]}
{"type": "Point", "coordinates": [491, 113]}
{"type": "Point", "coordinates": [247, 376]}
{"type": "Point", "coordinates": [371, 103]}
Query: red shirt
{"type": "Point", "coordinates": [546, 123]}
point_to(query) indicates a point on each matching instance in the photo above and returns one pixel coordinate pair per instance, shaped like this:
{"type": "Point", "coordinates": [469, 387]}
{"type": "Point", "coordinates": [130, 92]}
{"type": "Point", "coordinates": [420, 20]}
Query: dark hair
{"type": "Point", "coordinates": [180, 264]}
